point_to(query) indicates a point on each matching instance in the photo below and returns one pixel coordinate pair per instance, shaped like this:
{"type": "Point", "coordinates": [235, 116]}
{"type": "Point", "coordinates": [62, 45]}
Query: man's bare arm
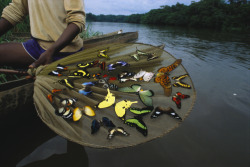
{"type": "Point", "coordinates": [4, 26]}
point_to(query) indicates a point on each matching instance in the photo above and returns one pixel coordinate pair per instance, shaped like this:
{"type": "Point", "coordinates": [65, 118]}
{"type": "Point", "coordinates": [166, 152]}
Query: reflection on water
{"type": "Point", "coordinates": [216, 133]}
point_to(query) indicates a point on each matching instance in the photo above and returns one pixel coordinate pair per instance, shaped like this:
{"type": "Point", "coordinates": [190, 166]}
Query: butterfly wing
{"type": "Point", "coordinates": [133, 89]}
{"type": "Point", "coordinates": [139, 74]}
{"type": "Point", "coordinates": [156, 113]}
{"type": "Point", "coordinates": [107, 122]}
{"type": "Point", "coordinates": [139, 124]}
{"type": "Point", "coordinates": [95, 126]}
{"type": "Point", "coordinates": [177, 101]}
{"type": "Point", "coordinates": [135, 56]}
{"type": "Point", "coordinates": [67, 82]}
{"type": "Point", "coordinates": [148, 76]}
{"type": "Point", "coordinates": [77, 114]}
{"type": "Point", "coordinates": [141, 111]}
{"type": "Point", "coordinates": [145, 97]}
{"type": "Point", "coordinates": [170, 67]}
{"type": "Point", "coordinates": [165, 82]}
{"type": "Point", "coordinates": [182, 96]}
{"type": "Point", "coordinates": [120, 109]}
{"type": "Point", "coordinates": [122, 131]}
{"type": "Point", "coordinates": [89, 111]}
{"type": "Point", "coordinates": [111, 133]}
{"type": "Point", "coordinates": [169, 111]}
{"type": "Point", "coordinates": [109, 101]}
{"type": "Point", "coordinates": [181, 84]}
{"type": "Point", "coordinates": [152, 57]}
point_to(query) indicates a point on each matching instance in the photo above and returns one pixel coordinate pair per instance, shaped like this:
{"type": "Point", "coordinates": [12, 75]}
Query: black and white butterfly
{"type": "Point", "coordinates": [116, 131]}
{"type": "Point", "coordinates": [169, 111]}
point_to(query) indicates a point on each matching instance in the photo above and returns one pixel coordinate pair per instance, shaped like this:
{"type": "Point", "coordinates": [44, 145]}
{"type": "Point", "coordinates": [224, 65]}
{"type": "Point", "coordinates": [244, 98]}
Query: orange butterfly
{"type": "Point", "coordinates": [163, 78]}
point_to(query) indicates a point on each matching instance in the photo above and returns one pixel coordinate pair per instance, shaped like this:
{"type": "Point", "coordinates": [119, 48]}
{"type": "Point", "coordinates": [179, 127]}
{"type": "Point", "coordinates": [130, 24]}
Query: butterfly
{"type": "Point", "coordinates": [56, 90]}
{"type": "Point", "coordinates": [60, 67]}
{"type": "Point", "coordinates": [110, 86]}
{"type": "Point", "coordinates": [55, 73]}
{"type": "Point", "coordinates": [50, 97]}
{"type": "Point", "coordinates": [115, 131]}
{"type": "Point", "coordinates": [163, 78]}
{"type": "Point", "coordinates": [86, 90]}
{"type": "Point", "coordinates": [177, 98]}
{"type": "Point", "coordinates": [95, 125]}
{"type": "Point", "coordinates": [141, 111]}
{"type": "Point", "coordinates": [77, 114]}
{"type": "Point", "coordinates": [88, 111]}
{"type": "Point", "coordinates": [146, 76]}
{"type": "Point", "coordinates": [64, 112]}
{"type": "Point", "coordinates": [53, 91]}
{"type": "Point", "coordinates": [108, 101]}
{"type": "Point", "coordinates": [67, 82]}
{"type": "Point", "coordinates": [103, 53]}
{"type": "Point", "coordinates": [169, 111]}
{"type": "Point", "coordinates": [149, 55]}
{"type": "Point", "coordinates": [144, 95]}
{"type": "Point", "coordinates": [68, 102]}
{"type": "Point", "coordinates": [125, 74]}
{"type": "Point", "coordinates": [118, 63]}
{"type": "Point", "coordinates": [179, 83]}
{"type": "Point", "coordinates": [102, 65]}
{"type": "Point", "coordinates": [120, 108]}
{"type": "Point", "coordinates": [122, 80]}
{"type": "Point", "coordinates": [80, 74]}
{"type": "Point", "coordinates": [96, 76]}
{"type": "Point", "coordinates": [135, 56]}
{"type": "Point", "coordinates": [138, 123]}
{"type": "Point", "coordinates": [88, 65]}
{"type": "Point", "coordinates": [107, 122]}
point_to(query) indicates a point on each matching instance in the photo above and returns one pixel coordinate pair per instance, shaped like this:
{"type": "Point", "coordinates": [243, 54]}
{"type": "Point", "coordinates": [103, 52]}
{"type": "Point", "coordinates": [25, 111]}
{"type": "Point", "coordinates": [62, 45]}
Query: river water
{"type": "Point", "coordinates": [217, 131]}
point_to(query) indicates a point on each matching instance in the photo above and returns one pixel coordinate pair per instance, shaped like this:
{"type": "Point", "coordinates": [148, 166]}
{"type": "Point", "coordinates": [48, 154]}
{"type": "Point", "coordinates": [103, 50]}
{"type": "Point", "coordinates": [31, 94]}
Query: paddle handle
{"type": "Point", "coordinates": [8, 71]}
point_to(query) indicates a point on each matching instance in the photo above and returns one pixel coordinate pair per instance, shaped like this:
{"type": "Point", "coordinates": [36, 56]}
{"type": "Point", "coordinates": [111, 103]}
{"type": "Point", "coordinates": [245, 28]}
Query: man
{"type": "Point", "coordinates": [54, 24]}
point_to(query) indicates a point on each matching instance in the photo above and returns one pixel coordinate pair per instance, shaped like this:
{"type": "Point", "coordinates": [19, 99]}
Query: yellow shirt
{"type": "Point", "coordinates": [48, 19]}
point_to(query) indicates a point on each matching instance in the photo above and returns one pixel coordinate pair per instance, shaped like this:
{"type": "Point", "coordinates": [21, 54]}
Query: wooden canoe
{"type": "Point", "coordinates": [14, 94]}
{"type": "Point", "coordinates": [111, 38]}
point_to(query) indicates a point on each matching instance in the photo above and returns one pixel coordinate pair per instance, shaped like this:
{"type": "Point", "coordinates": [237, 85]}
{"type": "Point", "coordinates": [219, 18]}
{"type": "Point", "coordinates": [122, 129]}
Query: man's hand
{"type": "Point", "coordinates": [67, 36]}
{"type": "Point", "coordinates": [44, 59]}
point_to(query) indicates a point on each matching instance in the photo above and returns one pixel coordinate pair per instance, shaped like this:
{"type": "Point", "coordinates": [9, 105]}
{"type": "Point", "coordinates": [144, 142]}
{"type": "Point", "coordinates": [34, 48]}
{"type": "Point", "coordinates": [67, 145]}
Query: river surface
{"type": "Point", "coordinates": [215, 134]}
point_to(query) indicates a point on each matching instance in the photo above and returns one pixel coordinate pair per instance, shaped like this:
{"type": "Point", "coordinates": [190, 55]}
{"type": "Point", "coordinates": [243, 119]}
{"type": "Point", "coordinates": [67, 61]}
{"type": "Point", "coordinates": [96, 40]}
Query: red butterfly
{"type": "Point", "coordinates": [177, 98]}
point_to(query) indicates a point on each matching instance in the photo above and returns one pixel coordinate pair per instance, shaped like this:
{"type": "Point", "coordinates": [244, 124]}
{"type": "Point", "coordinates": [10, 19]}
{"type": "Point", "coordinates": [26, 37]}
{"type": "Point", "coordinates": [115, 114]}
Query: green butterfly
{"type": "Point", "coordinates": [138, 123]}
{"type": "Point", "coordinates": [144, 95]}
{"type": "Point", "coordinates": [141, 111]}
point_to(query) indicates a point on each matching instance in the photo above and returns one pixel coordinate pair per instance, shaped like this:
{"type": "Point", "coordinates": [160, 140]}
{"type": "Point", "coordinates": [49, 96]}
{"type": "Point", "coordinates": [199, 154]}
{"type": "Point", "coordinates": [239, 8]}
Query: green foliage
{"type": "Point", "coordinates": [89, 32]}
{"type": "Point", "coordinates": [23, 27]}
{"type": "Point", "coordinates": [214, 14]}
{"type": "Point", "coordinates": [106, 18]}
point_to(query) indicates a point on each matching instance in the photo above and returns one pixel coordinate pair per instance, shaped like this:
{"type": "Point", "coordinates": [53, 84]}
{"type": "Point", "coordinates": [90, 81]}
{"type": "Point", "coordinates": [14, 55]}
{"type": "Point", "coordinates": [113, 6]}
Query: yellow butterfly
{"type": "Point", "coordinates": [108, 101]}
{"type": "Point", "coordinates": [67, 82]}
{"type": "Point", "coordinates": [120, 108]}
{"type": "Point", "coordinates": [103, 53]}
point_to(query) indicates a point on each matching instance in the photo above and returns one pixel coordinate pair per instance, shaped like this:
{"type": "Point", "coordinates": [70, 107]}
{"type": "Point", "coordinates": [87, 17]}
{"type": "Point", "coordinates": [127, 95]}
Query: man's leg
{"type": "Point", "coordinates": [14, 54]}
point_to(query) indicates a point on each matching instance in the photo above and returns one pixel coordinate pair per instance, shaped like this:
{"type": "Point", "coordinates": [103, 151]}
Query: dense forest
{"type": "Point", "coordinates": [232, 15]}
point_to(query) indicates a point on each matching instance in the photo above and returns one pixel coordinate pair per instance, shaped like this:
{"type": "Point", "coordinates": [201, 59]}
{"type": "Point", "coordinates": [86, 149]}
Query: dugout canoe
{"type": "Point", "coordinates": [116, 37]}
{"type": "Point", "coordinates": [14, 94]}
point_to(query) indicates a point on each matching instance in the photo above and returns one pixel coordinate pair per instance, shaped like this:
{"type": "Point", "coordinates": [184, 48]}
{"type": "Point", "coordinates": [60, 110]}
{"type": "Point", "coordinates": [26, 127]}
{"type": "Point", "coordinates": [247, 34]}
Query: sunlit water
{"type": "Point", "coordinates": [217, 131]}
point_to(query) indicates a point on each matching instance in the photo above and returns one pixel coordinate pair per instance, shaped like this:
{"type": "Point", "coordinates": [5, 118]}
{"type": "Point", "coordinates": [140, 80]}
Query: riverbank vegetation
{"type": "Point", "coordinates": [213, 14]}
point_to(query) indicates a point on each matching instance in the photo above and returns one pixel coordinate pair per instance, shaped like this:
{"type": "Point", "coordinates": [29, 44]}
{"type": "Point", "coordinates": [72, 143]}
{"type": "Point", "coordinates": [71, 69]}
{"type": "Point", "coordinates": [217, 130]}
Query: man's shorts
{"type": "Point", "coordinates": [35, 50]}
